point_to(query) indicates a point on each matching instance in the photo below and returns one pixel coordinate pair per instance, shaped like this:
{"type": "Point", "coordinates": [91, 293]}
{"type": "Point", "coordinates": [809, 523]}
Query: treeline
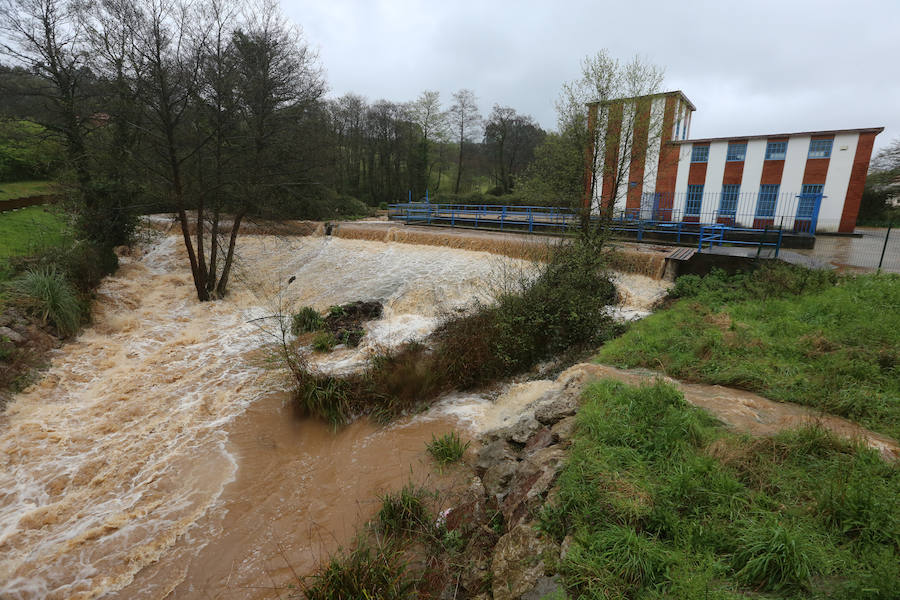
{"type": "Point", "coordinates": [205, 105]}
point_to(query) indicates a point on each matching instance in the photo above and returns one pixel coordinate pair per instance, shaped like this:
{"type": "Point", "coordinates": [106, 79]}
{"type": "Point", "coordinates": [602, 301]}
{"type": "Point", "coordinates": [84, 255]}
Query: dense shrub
{"type": "Point", "coordinates": [47, 295]}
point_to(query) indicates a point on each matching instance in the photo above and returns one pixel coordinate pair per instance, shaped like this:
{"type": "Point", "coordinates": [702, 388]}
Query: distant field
{"type": "Point", "coordinates": [24, 189]}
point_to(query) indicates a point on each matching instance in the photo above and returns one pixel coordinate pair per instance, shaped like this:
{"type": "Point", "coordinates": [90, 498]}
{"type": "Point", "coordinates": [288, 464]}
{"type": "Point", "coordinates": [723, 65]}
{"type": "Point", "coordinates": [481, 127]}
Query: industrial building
{"type": "Point", "coordinates": [645, 166]}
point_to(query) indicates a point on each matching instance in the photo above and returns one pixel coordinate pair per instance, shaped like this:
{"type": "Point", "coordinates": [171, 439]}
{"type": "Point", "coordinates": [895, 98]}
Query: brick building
{"type": "Point", "coordinates": [646, 166]}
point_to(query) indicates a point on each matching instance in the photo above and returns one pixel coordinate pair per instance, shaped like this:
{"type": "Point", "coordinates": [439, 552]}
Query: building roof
{"type": "Point", "coordinates": [659, 95]}
{"type": "Point", "coordinates": [779, 135]}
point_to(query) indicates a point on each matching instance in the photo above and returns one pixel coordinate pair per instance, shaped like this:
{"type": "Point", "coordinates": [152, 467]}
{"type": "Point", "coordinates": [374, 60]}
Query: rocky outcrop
{"type": "Point", "coordinates": [516, 468]}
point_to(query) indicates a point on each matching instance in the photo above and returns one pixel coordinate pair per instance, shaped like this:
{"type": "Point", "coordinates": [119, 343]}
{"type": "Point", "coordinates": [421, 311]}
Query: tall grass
{"type": "Point", "coordinates": [46, 294]}
{"type": "Point", "coordinates": [661, 501]}
{"type": "Point", "coordinates": [788, 333]}
{"type": "Point", "coordinates": [447, 449]}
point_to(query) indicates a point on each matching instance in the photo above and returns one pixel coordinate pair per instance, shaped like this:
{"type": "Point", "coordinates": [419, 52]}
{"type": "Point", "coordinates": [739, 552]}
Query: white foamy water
{"type": "Point", "coordinates": [121, 447]}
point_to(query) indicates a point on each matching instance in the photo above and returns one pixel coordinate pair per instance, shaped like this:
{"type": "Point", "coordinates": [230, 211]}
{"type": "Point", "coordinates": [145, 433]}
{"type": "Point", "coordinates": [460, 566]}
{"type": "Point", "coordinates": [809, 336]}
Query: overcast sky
{"type": "Point", "coordinates": [751, 67]}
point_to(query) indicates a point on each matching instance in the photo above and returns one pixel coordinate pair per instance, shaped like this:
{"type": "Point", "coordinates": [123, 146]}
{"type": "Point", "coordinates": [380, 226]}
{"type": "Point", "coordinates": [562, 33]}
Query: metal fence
{"type": "Point", "coordinates": [868, 249]}
{"type": "Point", "coordinates": [792, 212]}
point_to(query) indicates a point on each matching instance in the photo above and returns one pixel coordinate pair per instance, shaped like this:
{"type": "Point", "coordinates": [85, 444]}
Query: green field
{"type": "Point", "coordinates": [24, 189]}
{"type": "Point", "coordinates": [658, 501]}
{"type": "Point", "coordinates": [790, 334]}
{"type": "Point", "coordinates": [28, 231]}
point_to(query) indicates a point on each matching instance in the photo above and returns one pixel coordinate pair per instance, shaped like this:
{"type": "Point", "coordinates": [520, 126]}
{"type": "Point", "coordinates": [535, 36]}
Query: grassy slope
{"type": "Point", "coordinates": [660, 502]}
{"type": "Point", "coordinates": [24, 189]}
{"type": "Point", "coordinates": [28, 230]}
{"type": "Point", "coordinates": [834, 347]}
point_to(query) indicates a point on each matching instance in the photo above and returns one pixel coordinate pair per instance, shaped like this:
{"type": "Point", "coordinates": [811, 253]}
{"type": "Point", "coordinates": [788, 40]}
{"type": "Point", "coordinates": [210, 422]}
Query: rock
{"type": "Point", "coordinates": [564, 405]}
{"type": "Point", "coordinates": [542, 438]}
{"type": "Point", "coordinates": [521, 431]}
{"type": "Point", "coordinates": [531, 483]}
{"type": "Point", "coordinates": [546, 588]}
{"type": "Point", "coordinates": [498, 477]}
{"type": "Point", "coordinates": [565, 547]}
{"type": "Point", "coordinates": [493, 453]}
{"type": "Point", "coordinates": [14, 336]}
{"type": "Point", "coordinates": [564, 430]}
{"type": "Point", "coordinates": [518, 562]}
{"type": "Point", "coordinates": [470, 511]}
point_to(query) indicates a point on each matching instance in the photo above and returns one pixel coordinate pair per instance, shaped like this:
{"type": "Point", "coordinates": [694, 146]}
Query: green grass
{"type": "Point", "coordinates": [306, 320]}
{"type": "Point", "coordinates": [404, 511]}
{"type": "Point", "coordinates": [24, 189]}
{"type": "Point", "coordinates": [813, 338]}
{"type": "Point", "coordinates": [29, 230]}
{"type": "Point", "coordinates": [662, 502]}
{"type": "Point", "coordinates": [447, 449]}
{"type": "Point", "coordinates": [46, 294]}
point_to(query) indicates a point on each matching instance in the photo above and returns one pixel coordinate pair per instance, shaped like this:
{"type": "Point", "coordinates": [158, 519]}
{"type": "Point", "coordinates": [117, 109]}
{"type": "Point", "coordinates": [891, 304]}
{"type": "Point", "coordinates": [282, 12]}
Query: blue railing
{"type": "Point", "coordinates": [548, 218]}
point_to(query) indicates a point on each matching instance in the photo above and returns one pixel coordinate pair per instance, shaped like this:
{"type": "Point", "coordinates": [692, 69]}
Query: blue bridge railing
{"type": "Point", "coordinates": [555, 219]}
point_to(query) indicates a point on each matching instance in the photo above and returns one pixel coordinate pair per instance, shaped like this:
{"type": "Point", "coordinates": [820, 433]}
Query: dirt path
{"type": "Point", "coordinates": [741, 410]}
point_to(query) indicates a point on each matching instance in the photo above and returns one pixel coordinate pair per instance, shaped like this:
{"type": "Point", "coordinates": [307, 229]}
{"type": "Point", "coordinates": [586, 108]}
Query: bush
{"type": "Point", "coordinates": [448, 448]}
{"type": "Point", "coordinates": [47, 295]}
{"type": "Point", "coordinates": [306, 320]}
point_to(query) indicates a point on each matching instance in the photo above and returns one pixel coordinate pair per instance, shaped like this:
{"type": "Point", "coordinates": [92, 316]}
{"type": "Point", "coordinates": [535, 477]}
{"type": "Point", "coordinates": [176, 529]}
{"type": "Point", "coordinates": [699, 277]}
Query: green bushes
{"type": "Point", "coordinates": [662, 502]}
{"type": "Point", "coordinates": [306, 320]}
{"type": "Point", "coordinates": [787, 333]}
{"type": "Point", "coordinates": [447, 449]}
{"type": "Point", "coordinates": [46, 294]}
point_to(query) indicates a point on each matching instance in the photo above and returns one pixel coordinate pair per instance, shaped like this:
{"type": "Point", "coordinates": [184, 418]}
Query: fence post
{"type": "Point", "coordinates": [884, 247]}
{"type": "Point", "coordinates": [762, 239]}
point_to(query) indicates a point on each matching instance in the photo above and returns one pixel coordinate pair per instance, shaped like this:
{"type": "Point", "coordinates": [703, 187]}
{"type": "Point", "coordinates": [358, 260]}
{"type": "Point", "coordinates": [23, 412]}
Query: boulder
{"type": "Point", "coordinates": [470, 510]}
{"type": "Point", "coordinates": [532, 481]}
{"type": "Point", "coordinates": [12, 335]}
{"type": "Point", "coordinates": [493, 453]}
{"type": "Point", "coordinates": [542, 438]}
{"type": "Point", "coordinates": [518, 562]}
{"type": "Point", "coordinates": [563, 405]}
{"type": "Point", "coordinates": [564, 430]}
{"type": "Point", "coordinates": [521, 431]}
{"type": "Point", "coordinates": [498, 477]}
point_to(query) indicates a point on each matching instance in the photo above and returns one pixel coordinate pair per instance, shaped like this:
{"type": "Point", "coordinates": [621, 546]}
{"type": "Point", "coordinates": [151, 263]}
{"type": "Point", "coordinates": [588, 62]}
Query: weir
{"type": "Point", "coordinates": [648, 260]}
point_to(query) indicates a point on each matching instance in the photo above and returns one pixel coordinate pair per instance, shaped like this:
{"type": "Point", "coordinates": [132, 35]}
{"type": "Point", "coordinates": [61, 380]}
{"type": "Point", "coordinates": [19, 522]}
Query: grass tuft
{"type": "Point", "coordinates": [306, 320]}
{"type": "Point", "coordinates": [324, 342]}
{"type": "Point", "coordinates": [447, 449]}
{"type": "Point", "coordinates": [404, 511]}
{"type": "Point", "coordinates": [46, 294]}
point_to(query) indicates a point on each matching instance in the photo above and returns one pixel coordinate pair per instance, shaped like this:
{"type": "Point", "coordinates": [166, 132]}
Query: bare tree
{"type": "Point", "coordinates": [47, 38]}
{"type": "Point", "coordinates": [620, 129]}
{"type": "Point", "coordinates": [510, 139]}
{"type": "Point", "coordinates": [465, 120]}
{"type": "Point", "coordinates": [432, 122]}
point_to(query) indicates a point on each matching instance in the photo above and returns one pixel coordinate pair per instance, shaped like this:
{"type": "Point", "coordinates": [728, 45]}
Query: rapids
{"type": "Point", "coordinates": [156, 456]}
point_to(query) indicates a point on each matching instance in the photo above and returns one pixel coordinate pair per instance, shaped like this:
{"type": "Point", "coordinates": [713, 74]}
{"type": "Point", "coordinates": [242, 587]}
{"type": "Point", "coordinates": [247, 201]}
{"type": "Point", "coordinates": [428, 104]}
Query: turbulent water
{"type": "Point", "coordinates": [156, 456]}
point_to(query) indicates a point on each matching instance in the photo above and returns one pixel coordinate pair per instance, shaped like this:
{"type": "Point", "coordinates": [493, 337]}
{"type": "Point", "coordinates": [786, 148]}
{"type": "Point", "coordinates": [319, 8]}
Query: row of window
{"type": "Point", "coordinates": [765, 203]}
{"type": "Point", "coordinates": [737, 151]}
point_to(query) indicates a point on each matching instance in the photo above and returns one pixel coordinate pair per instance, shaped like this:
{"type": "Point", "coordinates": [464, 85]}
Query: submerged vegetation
{"type": "Point", "coordinates": [563, 308]}
{"type": "Point", "coordinates": [661, 502]}
{"type": "Point", "coordinates": [812, 337]}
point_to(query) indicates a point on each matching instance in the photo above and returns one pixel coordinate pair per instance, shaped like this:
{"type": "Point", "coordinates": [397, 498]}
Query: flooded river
{"type": "Point", "coordinates": [157, 456]}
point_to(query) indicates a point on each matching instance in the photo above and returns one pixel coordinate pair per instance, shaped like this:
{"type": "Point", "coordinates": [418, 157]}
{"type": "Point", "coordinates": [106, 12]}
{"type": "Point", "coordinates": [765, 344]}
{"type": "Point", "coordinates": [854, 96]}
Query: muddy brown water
{"type": "Point", "coordinates": [156, 457]}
